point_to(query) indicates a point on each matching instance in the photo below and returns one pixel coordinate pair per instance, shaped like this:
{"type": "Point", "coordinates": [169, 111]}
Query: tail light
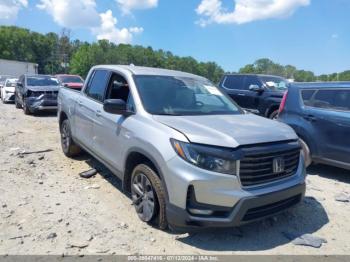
{"type": "Point", "coordinates": [283, 102]}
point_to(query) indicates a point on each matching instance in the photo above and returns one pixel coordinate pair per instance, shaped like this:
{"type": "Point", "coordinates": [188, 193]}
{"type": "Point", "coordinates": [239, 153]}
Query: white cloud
{"type": "Point", "coordinates": [71, 13]}
{"type": "Point", "coordinates": [108, 30]}
{"type": "Point", "coordinates": [212, 11]}
{"type": "Point", "coordinates": [128, 5]}
{"type": "Point", "coordinates": [335, 36]}
{"type": "Point", "coordinates": [83, 14]}
{"type": "Point", "coordinates": [9, 10]}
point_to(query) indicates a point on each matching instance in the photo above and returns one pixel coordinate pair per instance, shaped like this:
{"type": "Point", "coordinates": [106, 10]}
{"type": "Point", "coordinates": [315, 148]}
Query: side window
{"type": "Point", "coordinates": [234, 82]}
{"type": "Point", "coordinates": [336, 99]}
{"type": "Point", "coordinates": [307, 95]}
{"type": "Point", "coordinates": [251, 80]}
{"type": "Point", "coordinates": [118, 88]}
{"type": "Point", "coordinates": [97, 85]}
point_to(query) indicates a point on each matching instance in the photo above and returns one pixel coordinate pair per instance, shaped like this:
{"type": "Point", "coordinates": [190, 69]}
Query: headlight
{"type": "Point", "coordinates": [216, 159]}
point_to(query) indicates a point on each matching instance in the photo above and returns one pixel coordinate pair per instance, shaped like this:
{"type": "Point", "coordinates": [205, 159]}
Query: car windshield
{"type": "Point", "coordinates": [170, 95]}
{"type": "Point", "coordinates": [11, 83]}
{"type": "Point", "coordinates": [275, 83]}
{"type": "Point", "coordinates": [42, 81]}
{"type": "Point", "coordinates": [71, 79]}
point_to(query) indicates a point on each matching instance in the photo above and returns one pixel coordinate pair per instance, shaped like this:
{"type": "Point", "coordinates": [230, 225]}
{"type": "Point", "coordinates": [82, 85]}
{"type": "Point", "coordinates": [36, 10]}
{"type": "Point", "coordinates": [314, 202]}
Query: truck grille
{"type": "Point", "coordinates": [269, 163]}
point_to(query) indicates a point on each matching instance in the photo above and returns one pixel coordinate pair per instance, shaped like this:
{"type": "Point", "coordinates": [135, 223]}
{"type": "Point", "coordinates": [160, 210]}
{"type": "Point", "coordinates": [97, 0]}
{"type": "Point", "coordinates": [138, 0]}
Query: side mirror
{"type": "Point", "coordinates": [256, 88]}
{"type": "Point", "coordinates": [19, 84]}
{"type": "Point", "coordinates": [65, 85]}
{"type": "Point", "coordinates": [117, 107]}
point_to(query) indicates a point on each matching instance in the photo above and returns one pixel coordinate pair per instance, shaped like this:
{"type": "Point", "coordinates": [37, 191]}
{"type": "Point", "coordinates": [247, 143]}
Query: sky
{"type": "Point", "coordinates": [309, 34]}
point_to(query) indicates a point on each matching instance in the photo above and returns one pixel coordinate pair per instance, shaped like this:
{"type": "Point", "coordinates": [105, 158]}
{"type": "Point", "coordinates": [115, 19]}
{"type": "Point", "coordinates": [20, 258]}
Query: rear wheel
{"type": "Point", "coordinates": [306, 152]}
{"type": "Point", "coordinates": [69, 148]}
{"type": "Point", "coordinates": [148, 196]}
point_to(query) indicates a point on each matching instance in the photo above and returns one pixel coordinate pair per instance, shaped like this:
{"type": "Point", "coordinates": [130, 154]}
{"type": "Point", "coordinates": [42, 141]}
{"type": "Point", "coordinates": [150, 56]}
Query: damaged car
{"type": "Point", "coordinates": [187, 154]}
{"type": "Point", "coordinates": [35, 93]}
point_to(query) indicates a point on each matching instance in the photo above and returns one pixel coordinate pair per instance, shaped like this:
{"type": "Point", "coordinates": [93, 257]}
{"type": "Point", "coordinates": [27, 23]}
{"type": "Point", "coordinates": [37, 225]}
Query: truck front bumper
{"type": "Point", "coordinates": [226, 202]}
{"type": "Point", "coordinates": [247, 210]}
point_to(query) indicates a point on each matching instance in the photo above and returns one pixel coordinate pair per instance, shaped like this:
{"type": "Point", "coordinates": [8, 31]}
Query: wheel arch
{"type": "Point", "coordinates": [136, 156]}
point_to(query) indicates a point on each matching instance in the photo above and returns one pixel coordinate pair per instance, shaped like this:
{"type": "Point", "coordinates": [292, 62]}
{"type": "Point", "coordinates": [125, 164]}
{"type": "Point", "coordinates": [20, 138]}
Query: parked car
{"type": "Point", "coordinates": [8, 90]}
{"type": "Point", "coordinates": [259, 94]}
{"type": "Point", "coordinates": [189, 156]}
{"type": "Point", "coordinates": [71, 81]}
{"type": "Point", "coordinates": [36, 93]}
{"type": "Point", "coordinates": [320, 114]}
{"type": "Point", "coordinates": [2, 81]}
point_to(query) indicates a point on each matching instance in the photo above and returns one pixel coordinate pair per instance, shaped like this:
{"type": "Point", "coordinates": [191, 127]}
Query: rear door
{"type": "Point", "coordinates": [87, 105]}
{"type": "Point", "coordinates": [235, 87]}
{"type": "Point", "coordinates": [328, 111]}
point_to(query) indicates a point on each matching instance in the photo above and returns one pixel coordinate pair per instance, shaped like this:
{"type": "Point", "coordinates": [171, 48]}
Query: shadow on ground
{"type": "Point", "coordinates": [330, 172]}
{"type": "Point", "coordinates": [307, 218]}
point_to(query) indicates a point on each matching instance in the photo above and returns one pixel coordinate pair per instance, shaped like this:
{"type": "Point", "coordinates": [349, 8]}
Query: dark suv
{"type": "Point", "coordinates": [320, 114]}
{"type": "Point", "coordinates": [259, 94]}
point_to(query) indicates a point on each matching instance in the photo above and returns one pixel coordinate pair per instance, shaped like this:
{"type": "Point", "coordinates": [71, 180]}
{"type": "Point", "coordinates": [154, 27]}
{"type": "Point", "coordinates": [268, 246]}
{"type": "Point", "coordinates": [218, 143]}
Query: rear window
{"type": "Point", "coordinates": [234, 82]}
{"type": "Point", "coordinates": [333, 99]}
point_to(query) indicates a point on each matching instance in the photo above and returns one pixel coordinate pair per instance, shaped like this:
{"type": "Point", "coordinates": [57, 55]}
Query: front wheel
{"type": "Point", "coordinates": [148, 196]}
{"type": "Point", "coordinates": [69, 148]}
{"type": "Point", "coordinates": [26, 108]}
{"type": "Point", "coordinates": [17, 104]}
{"type": "Point", "coordinates": [274, 115]}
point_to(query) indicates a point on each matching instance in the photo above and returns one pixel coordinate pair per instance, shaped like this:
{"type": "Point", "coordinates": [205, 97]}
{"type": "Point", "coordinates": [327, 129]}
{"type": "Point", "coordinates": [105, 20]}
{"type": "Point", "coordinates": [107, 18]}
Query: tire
{"type": "Point", "coordinates": [25, 108]}
{"type": "Point", "coordinates": [17, 105]}
{"type": "Point", "coordinates": [69, 148]}
{"type": "Point", "coordinates": [152, 183]}
{"type": "Point", "coordinates": [306, 152]}
{"type": "Point", "coordinates": [274, 115]}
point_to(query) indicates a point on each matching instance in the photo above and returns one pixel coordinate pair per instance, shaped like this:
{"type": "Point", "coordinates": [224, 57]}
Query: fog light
{"type": "Point", "coordinates": [201, 212]}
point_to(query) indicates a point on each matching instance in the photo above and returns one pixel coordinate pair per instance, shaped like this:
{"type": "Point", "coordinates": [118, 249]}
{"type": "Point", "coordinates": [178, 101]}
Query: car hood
{"type": "Point", "coordinates": [229, 130]}
{"type": "Point", "coordinates": [43, 88]}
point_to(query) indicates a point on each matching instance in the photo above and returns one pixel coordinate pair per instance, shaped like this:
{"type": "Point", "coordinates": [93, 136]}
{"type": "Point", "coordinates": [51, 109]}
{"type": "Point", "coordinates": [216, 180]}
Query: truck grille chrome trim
{"type": "Point", "coordinates": [268, 164]}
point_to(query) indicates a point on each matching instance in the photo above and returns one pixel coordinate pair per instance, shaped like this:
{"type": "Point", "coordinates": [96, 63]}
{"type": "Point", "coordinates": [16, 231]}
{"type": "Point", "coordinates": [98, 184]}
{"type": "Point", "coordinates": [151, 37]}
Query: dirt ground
{"type": "Point", "coordinates": [46, 208]}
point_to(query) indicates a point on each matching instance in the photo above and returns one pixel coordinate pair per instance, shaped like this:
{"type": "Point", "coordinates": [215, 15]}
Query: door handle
{"type": "Point", "coordinates": [310, 118]}
{"type": "Point", "coordinates": [241, 94]}
{"type": "Point", "coordinates": [80, 103]}
{"type": "Point", "coordinates": [98, 113]}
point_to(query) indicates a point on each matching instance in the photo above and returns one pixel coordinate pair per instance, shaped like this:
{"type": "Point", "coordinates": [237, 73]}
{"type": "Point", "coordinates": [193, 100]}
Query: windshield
{"type": "Point", "coordinates": [42, 81]}
{"type": "Point", "coordinates": [275, 83]}
{"type": "Point", "coordinates": [71, 79]}
{"type": "Point", "coordinates": [11, 83]}
{"type": "Point", "coordinates": [168, 95]}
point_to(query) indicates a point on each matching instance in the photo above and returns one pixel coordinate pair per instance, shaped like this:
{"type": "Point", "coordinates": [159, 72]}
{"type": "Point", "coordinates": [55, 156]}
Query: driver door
{"type": "Point", "coordinates": [110, 130]}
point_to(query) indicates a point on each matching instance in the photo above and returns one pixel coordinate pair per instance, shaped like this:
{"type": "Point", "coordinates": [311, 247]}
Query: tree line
{"type": "Point", "coordinates": [57, 53]}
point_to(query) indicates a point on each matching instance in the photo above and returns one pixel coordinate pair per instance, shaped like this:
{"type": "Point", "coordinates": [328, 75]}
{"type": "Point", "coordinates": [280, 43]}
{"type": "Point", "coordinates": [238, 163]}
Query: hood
{"type": "Point", "coordinates": [229, 130]}
{"type": "Point", "coordinates": [43, 88]}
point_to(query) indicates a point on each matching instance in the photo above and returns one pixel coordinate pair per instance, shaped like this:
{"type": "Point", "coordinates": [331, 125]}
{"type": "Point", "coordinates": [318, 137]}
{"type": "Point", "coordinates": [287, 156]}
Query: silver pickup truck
{"type": "Point", "coordinates": [187, 154]}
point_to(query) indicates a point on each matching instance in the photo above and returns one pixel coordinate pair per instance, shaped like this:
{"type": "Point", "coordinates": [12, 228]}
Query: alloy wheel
{"type": "Point", "coordinates": [65, 136]}
{"type": "Point", "coordinates": [143, 197]}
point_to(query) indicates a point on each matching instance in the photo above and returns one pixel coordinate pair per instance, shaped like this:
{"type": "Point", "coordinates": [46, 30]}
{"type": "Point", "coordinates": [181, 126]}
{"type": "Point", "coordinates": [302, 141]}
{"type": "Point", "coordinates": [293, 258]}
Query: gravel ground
{"type": "Point", "coordinates": [46, 208]}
